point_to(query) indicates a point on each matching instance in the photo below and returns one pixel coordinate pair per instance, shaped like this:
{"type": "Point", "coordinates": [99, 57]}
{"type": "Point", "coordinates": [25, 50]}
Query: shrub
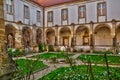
{"type": "Point", "coordinates": [80, 50]}
{"type": "Point", "coordinates": [15, 52]}
{"type": "Point", "coordinates": [10, 52]}
{"type": "Point", "coordinates": [41, 47]}
{"type": "Point", "coordinates": [50, 48]}
{"type": "Point", "coordinates": [87, 51]}
{"type": "Point", "coordinates": [54, 59]}
{"type": "Point", "coordinates": [102, 52]}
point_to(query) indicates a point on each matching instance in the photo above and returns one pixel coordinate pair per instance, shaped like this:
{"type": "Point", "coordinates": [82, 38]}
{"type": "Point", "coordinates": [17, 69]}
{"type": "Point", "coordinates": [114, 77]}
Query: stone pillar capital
{"type": "Point", "coordinates": [113, 21]}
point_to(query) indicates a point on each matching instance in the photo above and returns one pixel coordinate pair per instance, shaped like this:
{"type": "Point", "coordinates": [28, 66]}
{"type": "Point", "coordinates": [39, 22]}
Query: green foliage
{"type": "Point", "coordinates": [51, 55]}
{"type": "Point", "coordinates": [112, 59]}
{"type": "Point", "coordinates": [50, 48]}
{"type": "Point", "coordinates": [54, 59]}
{"type": "Point", "coordinates": [27, 66]}
{"type": "Point", "coordinates": [101, 52]}
{"type": "Point", "coordinates": [15, 52]}
{"type": "Point", "coordinates": [66, 73]}
{"type": "Point", "coordinates": [41, 47]}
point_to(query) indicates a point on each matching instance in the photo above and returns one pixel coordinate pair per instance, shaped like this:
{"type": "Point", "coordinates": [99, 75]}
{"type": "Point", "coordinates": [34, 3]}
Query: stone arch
{"type": "Point", "coordinates": [27, 37]}
{"type": "Point", "coordinates": [50, 36]}
{"type": "Point", "coordinates": [65, 36]}
{"type": "Point", "coordinates": [118, 34]}
{"type": "Point", "coordinates": [82, 35]}
{"type": "Point", "coordinates": [102, 25]}
{"type": "Point", "coordinates": [102, 34]}
{"type": "Point", "coordinates": [10, 32]}
{"type": "Point", "coordinates": [38, 36]}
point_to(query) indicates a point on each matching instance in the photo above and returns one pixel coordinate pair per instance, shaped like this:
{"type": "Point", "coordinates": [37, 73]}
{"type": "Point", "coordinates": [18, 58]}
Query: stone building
{"type": "Point", "coordinates": [82, 24]}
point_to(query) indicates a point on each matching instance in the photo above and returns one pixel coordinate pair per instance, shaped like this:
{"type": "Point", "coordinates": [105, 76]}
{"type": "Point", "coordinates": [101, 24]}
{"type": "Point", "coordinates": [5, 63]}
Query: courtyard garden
{"type": "Point", "coordinates": [106, 70]}
{"type": "Point", "coordinates": [27, 67]}
{"type": "Point", "coordinates": [100, 58]}
{"type": "Point", "coordinates": [83, 72]}
{"type": "Point", "coordinates": [50, 55]}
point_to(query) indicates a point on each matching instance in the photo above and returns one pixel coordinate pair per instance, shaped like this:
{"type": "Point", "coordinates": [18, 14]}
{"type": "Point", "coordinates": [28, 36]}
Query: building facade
{"type": "Point", "coordinates": [82, 24]}
{"type": "Point", "coordinates": [23, 23]}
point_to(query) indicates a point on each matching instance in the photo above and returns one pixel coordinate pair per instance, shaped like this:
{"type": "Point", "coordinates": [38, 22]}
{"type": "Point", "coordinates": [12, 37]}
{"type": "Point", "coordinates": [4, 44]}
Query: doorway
{"type": "Point", "coordinates": [66, 41]}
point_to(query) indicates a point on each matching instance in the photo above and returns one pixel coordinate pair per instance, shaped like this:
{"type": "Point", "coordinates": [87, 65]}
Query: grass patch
{"type": "Point", "coordinates": [101, 52]}
{"type": "Point", "coordinates": [112, 59]}
{"type": "Point", "coordinates": [51, 55]}
{"type": "Point", "coordinates": [26, 66]}
{"type": "Point", "coordinates": [66, 73]}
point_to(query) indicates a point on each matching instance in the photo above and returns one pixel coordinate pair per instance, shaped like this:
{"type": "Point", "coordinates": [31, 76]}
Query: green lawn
{"type": "Point", "coordinates": [25, 65]}
{"type": "Point", "coordinates": [81, 73]}
{"type": "Point", "coordinates": [112, 59]}
{"type": "Point", "coordinates": [101, 52]}
{"type": "Point", "coordinates": [52, 55]}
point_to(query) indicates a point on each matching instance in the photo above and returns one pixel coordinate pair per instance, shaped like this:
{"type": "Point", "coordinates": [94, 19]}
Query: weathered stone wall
{"type": "Point", "coordinates": [6, 67]}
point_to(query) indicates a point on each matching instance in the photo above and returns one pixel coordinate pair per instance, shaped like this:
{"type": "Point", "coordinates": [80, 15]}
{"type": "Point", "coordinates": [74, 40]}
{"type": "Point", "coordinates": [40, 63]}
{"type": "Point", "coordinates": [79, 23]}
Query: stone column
{"type": "Point", "coordinates": [56, 35]}
{"type": "Point", "coordinates": [19, 36]}
{"type": "Point", "coordinates": [6, 66]}
{"type": "Point", "coordinates": [34, 35]}
{"type": "Point", "coordinates": [44, 37]}
{"type": "Point", "coordinates": [114, 35]}
{"type": "Point", "coordinates": [91, 37]}
{"type": "Point", "coordinates": [73, 36]}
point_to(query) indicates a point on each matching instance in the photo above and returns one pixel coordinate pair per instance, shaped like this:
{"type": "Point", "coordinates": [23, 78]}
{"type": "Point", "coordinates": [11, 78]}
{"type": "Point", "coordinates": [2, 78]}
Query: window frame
{"type": "Point", "coordinates": [84, 12]}
{"type": "Point", "coordinates": [50, 18]}
{"type": "Point", "coordinates": [62, 18]}
{"type": "Point", "coordinates": [38, 17]}
{"type": "Point", "coordinates": [104, 13]}
{"type": "Point", "coordinates": [28, 13]}
{"type": "Point", "coordinates": [9, 7]}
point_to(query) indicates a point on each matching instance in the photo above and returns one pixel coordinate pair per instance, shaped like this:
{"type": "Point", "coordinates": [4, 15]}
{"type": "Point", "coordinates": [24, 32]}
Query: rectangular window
{"type": "Point", "coordinates": [64, 14]}
{"type": "Point", "coordinates": [38, 16]}
{"type": "Point", "coordinates": [101, 7]}
{"type": "Point", "coordinates": [9, 6]}
{"type": "Point", "coordinates": [26, 12]}
{"type": "Point", "coordinates": [82, 11]}
{"type": "Point", "coordinates": [50, 16]}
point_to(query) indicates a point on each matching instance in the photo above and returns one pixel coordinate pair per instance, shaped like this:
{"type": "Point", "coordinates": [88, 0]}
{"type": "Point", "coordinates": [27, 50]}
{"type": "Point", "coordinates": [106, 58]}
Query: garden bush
{"type": "Point", "coordinates": [102, 52]}
{"type": "Point", "coordinates": [15, 52]}
{"type": "Point", "coordinates": [41, 47]}
{"type": "Point", "coordinates": [54, 59]}
{"type": "Point", "coordinates": [50, 48]}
